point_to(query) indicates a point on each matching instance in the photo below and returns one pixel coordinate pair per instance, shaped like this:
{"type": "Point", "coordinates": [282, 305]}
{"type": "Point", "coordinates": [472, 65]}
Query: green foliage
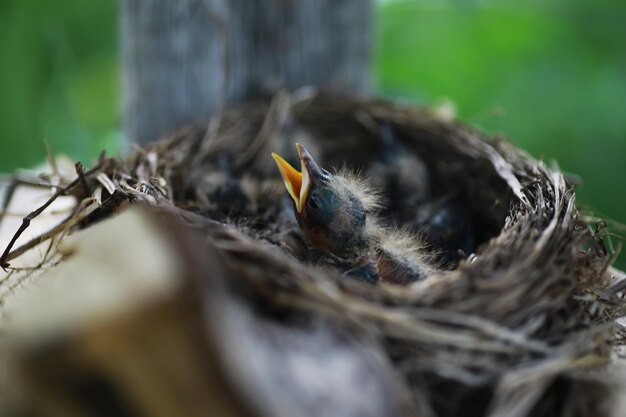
{"type": "Point", "coordinates": [58, 79]}
{"type": "Point", "coordinates": [550, 75]}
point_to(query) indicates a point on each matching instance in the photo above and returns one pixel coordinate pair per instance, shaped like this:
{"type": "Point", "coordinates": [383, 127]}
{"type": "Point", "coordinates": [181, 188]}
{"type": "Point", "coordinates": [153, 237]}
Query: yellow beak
{"type": "Point", "coordinates": [297, 183]}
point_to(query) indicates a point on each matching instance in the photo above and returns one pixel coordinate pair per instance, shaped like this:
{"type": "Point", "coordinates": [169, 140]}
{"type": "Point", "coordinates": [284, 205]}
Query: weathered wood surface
{"type": "Point", "coordinates": [134, 322]}
{"type": "Point", "coordinates": [183, 59]}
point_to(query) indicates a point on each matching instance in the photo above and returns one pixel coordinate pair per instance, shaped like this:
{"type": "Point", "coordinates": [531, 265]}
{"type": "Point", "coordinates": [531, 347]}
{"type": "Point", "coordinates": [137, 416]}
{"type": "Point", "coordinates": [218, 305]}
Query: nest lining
{"type": "Point", "coordinates": [512, 330]}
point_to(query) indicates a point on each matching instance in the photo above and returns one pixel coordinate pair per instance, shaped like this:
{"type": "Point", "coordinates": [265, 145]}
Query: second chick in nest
{"type": "Point", "coordinates": [336, 213]}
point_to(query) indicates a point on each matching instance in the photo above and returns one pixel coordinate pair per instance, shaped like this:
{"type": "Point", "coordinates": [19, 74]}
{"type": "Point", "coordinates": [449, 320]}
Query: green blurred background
{"type": "Point", "coordinates": [549, 75]}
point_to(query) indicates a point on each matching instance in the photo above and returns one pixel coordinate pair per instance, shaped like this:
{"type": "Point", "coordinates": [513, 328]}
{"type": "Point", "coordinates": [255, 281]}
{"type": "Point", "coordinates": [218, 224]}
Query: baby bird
{"type": "Point", "coordinates": [336, 213]}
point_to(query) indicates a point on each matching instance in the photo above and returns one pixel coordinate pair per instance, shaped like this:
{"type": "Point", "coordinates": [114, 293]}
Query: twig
{"type": "Point", "coordinates": [13, 183]}
{"type": "Point", "coordinates": [619, 280]}
{"type": "Point", "coordinates": [41, 263]}
{"type": "Point", "coordinates": [80, 171]}
{"type": "Point", "coordinates": [8, 195]}
{"type": "Point", "coordinates": [64, 225]}
{"type": "Point", "coordinates": [6, 255]}
{"type": "Point", "coordinates": [26, 182]}
{"type": "Point", "coordinates": [51, 161]}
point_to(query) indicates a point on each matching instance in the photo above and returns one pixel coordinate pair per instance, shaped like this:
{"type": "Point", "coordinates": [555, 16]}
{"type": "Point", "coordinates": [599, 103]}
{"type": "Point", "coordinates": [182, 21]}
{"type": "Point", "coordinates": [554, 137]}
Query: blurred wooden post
{"type": "Point", "coordinates": [183, 59]}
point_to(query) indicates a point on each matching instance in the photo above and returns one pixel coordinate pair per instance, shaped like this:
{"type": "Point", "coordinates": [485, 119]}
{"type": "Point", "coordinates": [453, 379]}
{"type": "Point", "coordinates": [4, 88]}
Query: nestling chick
{"type": "Point", "coordinates": [335, 214]}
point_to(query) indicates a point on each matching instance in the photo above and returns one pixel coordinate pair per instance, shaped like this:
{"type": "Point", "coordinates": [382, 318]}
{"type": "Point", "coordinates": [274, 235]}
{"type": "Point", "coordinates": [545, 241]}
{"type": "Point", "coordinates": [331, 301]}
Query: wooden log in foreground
{"type": "Point", "coordinates": [121, 328]}
{"type": "Point", "coordinates": [107, 331]}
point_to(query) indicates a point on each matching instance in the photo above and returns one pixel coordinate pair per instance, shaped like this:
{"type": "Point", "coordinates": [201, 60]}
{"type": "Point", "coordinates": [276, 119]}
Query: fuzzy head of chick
{"type": "Point", "coordinates": [331, 209]}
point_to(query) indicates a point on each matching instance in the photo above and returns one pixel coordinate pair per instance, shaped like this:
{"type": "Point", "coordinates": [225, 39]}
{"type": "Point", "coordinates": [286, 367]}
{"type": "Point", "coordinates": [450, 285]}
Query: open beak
{"type": "Point", "coordinates": [298, 183]}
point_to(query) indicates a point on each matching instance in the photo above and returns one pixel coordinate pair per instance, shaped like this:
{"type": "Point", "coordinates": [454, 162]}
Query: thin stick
{"type": "Point", "coordinates": [26, 182]}
{"type": "Point", "coordinates": [10, 192]}
{"type": "Point", "coordinates": [51, 161]}
{"type": "Point", "coordinates": [34, 242]}
{"type": "Point", "coordinates": [41, 263]}
{"type": "Point", "coordinates": [619, 280]}
{"type": "Point", "coordinates": [80, 171]}
{"type": "Point", "coordinates": [8, 196]}
{"type": "Point", "coordinates": [6, 255]}
{"type": "Point", "coordinates": [61, 227]}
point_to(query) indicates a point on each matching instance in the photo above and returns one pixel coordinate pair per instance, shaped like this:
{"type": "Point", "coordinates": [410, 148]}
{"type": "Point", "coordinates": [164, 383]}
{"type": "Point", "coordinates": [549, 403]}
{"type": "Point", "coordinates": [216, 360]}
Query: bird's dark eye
{"type": "Point", "coordinates": [311, 203]}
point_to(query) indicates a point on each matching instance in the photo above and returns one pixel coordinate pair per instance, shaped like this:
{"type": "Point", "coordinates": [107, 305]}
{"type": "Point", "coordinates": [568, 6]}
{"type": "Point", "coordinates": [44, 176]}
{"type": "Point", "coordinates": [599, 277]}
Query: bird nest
{"type": "Point", "coordinates": [522, 325]}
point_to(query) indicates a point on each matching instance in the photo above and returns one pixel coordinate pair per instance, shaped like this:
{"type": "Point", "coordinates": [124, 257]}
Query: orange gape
{"type": "Point", "coordinates": [335, 215]}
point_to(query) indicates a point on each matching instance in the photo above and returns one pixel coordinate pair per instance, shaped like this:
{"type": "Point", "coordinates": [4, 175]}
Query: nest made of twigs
{"type": "Point", "coordinates": [514, 329]}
